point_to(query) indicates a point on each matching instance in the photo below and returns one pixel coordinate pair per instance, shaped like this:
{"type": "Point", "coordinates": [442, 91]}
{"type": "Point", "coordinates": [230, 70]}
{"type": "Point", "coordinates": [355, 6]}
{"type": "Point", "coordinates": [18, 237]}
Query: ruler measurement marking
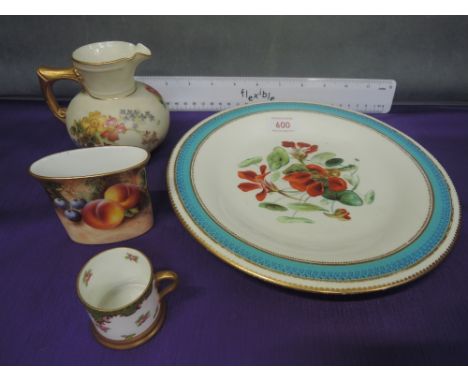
{"type": "Point", "coordinates": [216, 93]}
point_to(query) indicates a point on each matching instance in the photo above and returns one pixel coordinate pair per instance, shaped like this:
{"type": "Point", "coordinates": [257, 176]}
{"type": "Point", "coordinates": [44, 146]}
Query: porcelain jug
{"type": "Point", "coordinates": [112, 108]}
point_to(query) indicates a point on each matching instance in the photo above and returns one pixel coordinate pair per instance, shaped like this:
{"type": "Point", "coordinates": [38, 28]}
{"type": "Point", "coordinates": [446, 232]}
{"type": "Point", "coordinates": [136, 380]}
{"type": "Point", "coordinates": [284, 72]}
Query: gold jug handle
{"type": "Point", "coordinates": [47, 77]}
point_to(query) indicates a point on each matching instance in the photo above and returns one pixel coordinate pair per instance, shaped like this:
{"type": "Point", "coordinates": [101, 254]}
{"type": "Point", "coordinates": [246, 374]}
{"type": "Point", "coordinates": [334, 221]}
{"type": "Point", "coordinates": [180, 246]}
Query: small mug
{"type": "Point", "coordinates": [100, 194]}
{"type": "Point", "coordinates": [120, 292]}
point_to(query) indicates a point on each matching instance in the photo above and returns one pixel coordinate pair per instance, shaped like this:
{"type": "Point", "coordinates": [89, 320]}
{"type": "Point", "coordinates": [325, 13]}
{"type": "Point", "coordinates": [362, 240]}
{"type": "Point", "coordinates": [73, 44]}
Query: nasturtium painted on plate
{"type": "Point", "coordinates": [299, 179]}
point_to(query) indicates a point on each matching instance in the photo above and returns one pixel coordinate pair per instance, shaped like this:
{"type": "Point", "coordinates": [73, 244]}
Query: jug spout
{"type": "Point", "coordinates": [107, 68]}
{"type": "Point", "coordinates": [142, 53]}
{"type": "Point", "coordinates": [142, 50]}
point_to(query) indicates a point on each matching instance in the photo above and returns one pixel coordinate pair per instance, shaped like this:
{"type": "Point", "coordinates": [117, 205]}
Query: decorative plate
{"type": "Point", "coordinates": [313, 198]}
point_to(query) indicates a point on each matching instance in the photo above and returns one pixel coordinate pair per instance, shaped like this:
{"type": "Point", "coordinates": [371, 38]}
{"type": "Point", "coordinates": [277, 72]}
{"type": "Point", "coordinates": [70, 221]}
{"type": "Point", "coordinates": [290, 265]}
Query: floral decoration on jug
{"type": "Point", "coordinates": [97, 129]}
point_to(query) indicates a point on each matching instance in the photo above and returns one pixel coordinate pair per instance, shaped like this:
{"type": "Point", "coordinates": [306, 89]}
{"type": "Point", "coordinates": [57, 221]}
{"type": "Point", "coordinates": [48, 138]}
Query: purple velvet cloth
{"type": "Point", "coordinates": [218, 315]}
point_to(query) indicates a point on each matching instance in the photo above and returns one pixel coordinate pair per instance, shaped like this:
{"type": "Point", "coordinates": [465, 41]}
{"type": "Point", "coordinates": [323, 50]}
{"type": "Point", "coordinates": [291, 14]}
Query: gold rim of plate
{"type": "Point", "coordinates": [209, 244]}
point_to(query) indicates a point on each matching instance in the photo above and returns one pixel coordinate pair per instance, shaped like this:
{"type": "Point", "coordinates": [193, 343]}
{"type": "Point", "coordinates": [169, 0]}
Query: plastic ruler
{"type": "Point", "coordinates": [217, 93]}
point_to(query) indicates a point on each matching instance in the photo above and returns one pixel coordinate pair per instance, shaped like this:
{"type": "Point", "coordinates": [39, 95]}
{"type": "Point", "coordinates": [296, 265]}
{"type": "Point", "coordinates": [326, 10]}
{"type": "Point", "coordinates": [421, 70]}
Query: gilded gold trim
{"type": "Point", "coordinates": [305, 288]}
{"type": "Point", "coordinates": [138, 340]}
{"type": "Point", "coordinates": [108, 98]}
{"type": "Point", "coordinates": [135, 166]}
{"type": "Point", "coordinates": [314, 289]}
{"type": "Point", "coordinates": [47, 77]}
{"type": "Point", "coordinates": [99, 63]}
{"type": "Point", "coordinates": [115, 311]}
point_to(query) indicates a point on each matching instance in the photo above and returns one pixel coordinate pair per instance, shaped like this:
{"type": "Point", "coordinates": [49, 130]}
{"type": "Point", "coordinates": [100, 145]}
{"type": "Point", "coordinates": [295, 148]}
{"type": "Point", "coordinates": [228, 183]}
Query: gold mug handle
{"type": "Point", "coordinates": [166, 275]}
{"type": "Point", "coordinates": [47, 77]}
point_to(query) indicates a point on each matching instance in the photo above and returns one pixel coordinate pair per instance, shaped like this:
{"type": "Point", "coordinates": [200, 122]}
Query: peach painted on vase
{"type": "Point", "coordinates": [98, 209]}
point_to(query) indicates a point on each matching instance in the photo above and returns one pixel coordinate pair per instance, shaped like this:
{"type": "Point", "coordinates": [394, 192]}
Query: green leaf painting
{"type": "Point", "coordinates": [296, 167]}
{"type": "Point", "coordinates": [322, 157]}
{"type": "Point", "coordinates": [331, 195]}
{"type": "Point", "coordinates": [250, 161]}
{"type": "Point", "coordinates": [292, 219]}
{"type": "Point", "coordinates": [272, 206]}
{"type": "Point", "coordinates": [352, 179]}
{"type": "Point", "coordinates": [305, 207]}
{"type": "Point", "coordinates": [333, 162]}
{"type": "Point", "coordinates": [349, 167]}
{"type": "Point", "coordinates": [299, 182]}
{"type": "Point", "coordinates": [350, 198]}
{"type": "Point", "coordinates": [275, 176]}
{"type": "Point", "coordinates": [277, 158]}
{"type": "Point", "coordinates": [369, 197]}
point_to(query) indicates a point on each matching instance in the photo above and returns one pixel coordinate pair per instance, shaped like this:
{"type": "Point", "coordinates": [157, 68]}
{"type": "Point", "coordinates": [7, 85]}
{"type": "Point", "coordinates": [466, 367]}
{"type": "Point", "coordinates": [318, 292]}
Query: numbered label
{"type": "Point", "coordinates": [281, 124]}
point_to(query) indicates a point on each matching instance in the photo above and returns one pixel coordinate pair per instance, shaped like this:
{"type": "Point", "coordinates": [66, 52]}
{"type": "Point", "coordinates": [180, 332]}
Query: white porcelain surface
{"type": "Point", "coordinates": [112, 108]}
{"type": "Point", "coordinates": [89, 161]}
{"type": "Point", "coordinates": [108, 51]}
{"type": "Point", "coordinates": [384, 169]}
{"type": "Point", "coordinates": [125, 328]}
{"type": "Point", "coordinates": [331, 233]}
{"type": "Point", "coordinates": [145, 132]}
{"type": "Point", "coordinates": [114, 280]}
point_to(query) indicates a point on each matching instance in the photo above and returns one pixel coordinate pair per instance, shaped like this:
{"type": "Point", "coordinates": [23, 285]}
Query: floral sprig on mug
{"type": "Point", "coordinates": [142, 319]}
{"type": "Point", "coordinates": [97, 129]}
{"type": "Point", "coordinates": [131, 257]}
{"type": "Point", "coordinates": [87, 276]}
{"type": "Point", "coordinates": [296, 173]}
{"type": "Point", "coordinates": [102, 322]}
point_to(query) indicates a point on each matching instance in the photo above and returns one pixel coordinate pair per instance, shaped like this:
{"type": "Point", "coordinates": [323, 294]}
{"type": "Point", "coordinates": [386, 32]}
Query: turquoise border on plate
{"type": "Point", "coordinates": [426, 243]}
